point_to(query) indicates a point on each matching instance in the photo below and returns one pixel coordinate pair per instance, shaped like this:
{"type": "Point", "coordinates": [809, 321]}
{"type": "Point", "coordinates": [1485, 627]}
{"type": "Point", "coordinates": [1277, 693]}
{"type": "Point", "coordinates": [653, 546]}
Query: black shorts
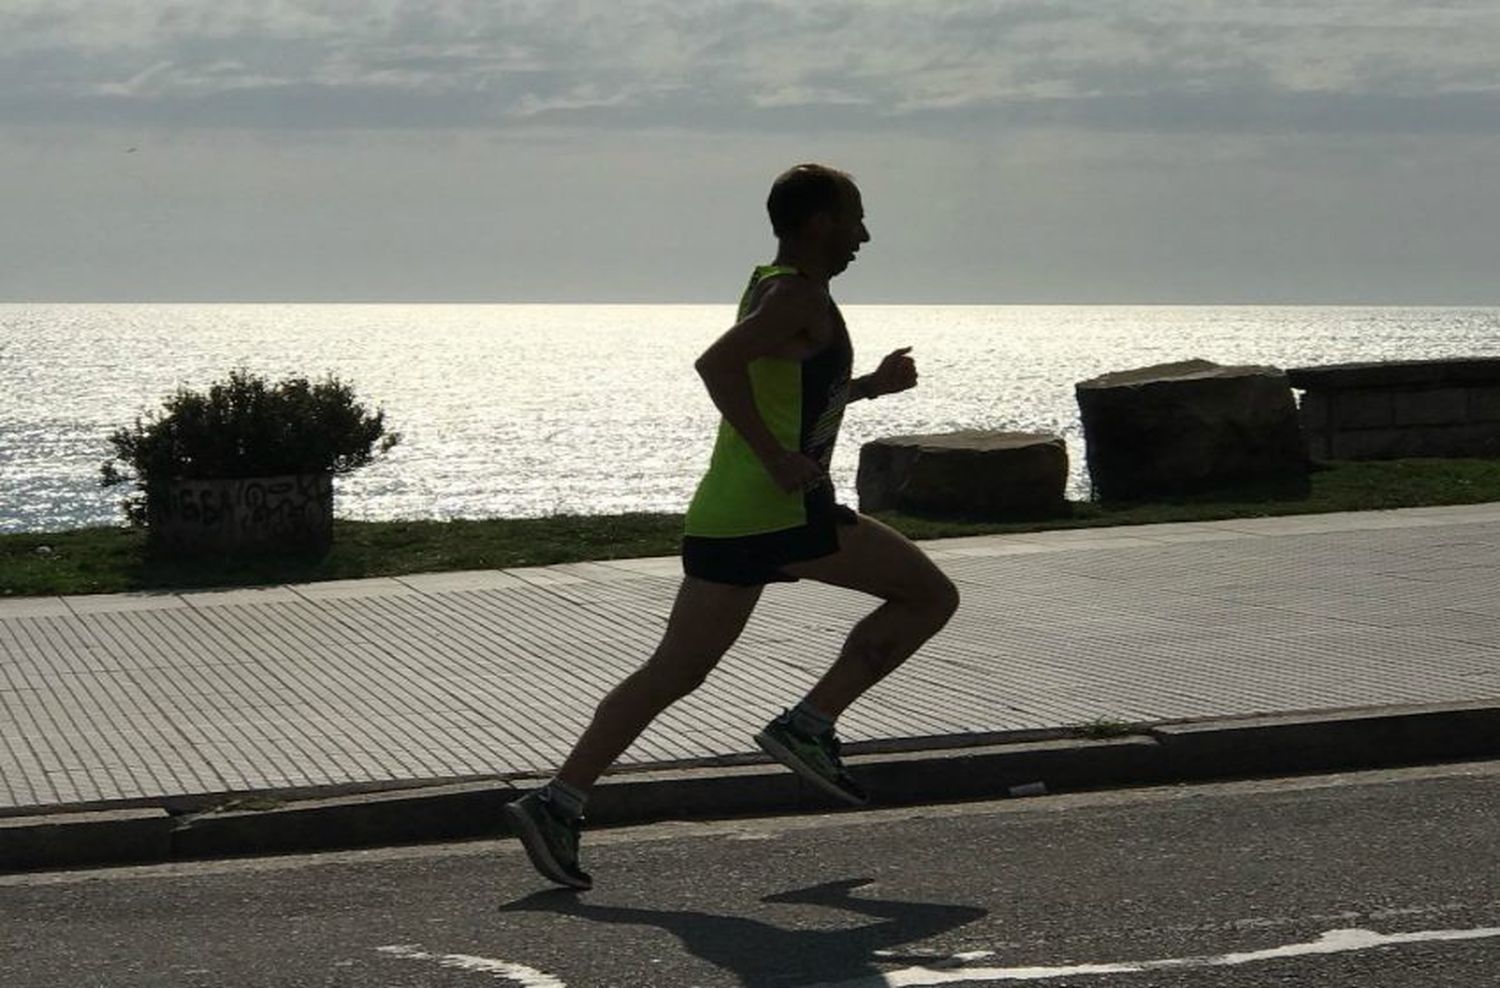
{"type": "Point", "coordinates": [752, 560]}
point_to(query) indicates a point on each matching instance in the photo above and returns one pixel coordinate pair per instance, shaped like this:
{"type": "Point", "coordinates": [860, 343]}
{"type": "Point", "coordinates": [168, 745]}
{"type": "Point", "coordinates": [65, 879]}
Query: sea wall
{"type": "Point", "coordinates": [1394, 409]}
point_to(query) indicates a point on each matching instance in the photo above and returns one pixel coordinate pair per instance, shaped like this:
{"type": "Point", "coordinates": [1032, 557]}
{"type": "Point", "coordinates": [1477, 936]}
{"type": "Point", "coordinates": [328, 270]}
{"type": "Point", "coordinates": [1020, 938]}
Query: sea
{"type": "Point", "coordinates": [522, 411]}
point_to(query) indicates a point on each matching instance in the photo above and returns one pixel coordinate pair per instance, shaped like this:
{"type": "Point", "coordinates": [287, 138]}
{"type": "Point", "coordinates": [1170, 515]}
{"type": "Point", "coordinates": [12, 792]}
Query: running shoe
{"type": "Point", "coordinates": [550, 839]}
{"type": "Point", "coordinates": [815, 758]}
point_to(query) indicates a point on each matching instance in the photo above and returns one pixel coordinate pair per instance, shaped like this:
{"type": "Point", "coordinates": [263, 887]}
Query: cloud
{"type": "Point", "coordinates": [757, 65]}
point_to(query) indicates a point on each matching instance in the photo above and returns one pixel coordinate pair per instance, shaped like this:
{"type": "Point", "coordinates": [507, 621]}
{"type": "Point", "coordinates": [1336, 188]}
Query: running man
{"type": "Point", "coordinates": [765, 513]}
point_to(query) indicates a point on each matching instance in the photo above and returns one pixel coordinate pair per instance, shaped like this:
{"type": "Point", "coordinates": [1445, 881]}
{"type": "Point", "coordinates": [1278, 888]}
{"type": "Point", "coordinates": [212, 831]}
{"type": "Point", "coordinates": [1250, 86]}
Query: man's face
{"type": "Point", "coordinates": [847, 231]}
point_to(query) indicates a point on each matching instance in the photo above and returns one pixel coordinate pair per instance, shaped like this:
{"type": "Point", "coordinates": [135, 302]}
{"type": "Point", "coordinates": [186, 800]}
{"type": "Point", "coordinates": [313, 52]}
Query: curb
{"type": "Point", "coordinates": [1331, 741]}
{"type": "Point", "coordinates": [68, 840]}
{"type": "Point", "coordinates": [1270, 745]}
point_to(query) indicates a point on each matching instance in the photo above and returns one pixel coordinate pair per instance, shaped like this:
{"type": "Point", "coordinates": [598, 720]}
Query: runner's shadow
{"type": "Point", "coordinates": [760, 954]}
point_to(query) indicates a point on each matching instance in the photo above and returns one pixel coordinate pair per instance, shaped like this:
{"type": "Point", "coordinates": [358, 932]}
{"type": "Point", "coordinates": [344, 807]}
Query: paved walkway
{"type": "Point", "coordinates": [139, 696]}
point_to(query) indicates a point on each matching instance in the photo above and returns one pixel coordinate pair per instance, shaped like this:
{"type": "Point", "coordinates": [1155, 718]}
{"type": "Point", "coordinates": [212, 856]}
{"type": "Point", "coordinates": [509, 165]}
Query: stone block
{"type": "Point", "coordinates": [969, 473]}
{"type": "Point", "coordinates": [1464, 440]}
{"type": "Point", "coordinates": [1430, 406]}
{"type": "Point", "coordinates": [1363, 409]}
{"type": "Point", "coordinates": [1484, 404]}
{"type": "Point", "coordinates": [1316, 411]}
{"type": "Point", "coordinates": [1375, 444]}
{"type": "Point", "coordinates": [1467, 440]}
{"type": "Point", "coordinates": [1470, 371]}
{"type": "Point", "coordinates": [1189, 426]}
{"type": "Point", "coordinates": [1319, 444]}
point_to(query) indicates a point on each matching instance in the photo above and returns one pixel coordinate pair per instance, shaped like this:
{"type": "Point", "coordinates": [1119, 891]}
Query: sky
{"type": "Point", "coordinates": [1110, 151]}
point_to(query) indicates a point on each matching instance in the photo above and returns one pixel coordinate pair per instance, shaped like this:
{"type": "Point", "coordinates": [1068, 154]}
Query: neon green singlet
{"type": "Point", "coordinates": [737, 497]}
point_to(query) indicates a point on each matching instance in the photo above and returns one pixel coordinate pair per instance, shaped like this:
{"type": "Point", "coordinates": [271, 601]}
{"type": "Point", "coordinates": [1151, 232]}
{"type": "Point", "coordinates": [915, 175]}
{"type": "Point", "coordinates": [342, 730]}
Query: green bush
{"type": "Point", "coordinates": [245, 427]}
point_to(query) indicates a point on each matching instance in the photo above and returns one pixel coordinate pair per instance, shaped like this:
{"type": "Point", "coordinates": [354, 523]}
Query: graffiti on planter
{"type": "Point", "coordinates": [263, 513]}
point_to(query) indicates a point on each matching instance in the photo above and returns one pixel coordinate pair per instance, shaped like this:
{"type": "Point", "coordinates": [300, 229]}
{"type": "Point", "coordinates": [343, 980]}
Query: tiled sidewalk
{"type": "Point", "coordinates": [125, 697]}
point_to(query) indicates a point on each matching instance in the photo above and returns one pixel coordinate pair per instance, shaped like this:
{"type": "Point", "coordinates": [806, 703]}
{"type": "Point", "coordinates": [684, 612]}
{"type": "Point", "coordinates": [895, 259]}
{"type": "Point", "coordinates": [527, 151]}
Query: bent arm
{"type": "Point", "coordinates": [770, 330]}
{"type": "Point", "coordinates": [732, 395]}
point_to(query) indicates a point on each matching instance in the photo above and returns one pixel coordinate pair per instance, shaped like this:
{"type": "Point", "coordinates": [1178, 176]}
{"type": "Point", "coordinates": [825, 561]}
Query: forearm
{"type": "Point", "coordinates": [861, 387]}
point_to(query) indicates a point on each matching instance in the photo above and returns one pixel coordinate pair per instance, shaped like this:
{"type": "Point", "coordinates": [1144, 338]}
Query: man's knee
{"type": "Point", "coordinates": [934, 594]}
{"type": "Point", "coordinates": [674, 674]}
{"type": "Point", "coordinates": [943, 599]}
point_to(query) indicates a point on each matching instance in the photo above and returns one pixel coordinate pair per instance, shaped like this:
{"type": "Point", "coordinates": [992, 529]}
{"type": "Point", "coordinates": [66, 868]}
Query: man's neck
{"type": "Point", "coordinates": [792, 257]}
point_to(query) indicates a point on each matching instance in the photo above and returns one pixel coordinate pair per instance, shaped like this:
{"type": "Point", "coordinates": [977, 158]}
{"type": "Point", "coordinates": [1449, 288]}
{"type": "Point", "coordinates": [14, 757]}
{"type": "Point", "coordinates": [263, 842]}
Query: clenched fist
{"type": "Point", "coordinates": [897, 372]}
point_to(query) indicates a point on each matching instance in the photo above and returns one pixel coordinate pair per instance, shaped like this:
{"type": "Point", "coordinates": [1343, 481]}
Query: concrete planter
{"type": "Point", "coordinates": [243, 515]}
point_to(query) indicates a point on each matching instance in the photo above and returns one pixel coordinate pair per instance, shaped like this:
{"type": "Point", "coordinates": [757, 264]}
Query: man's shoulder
{"type": "Point", "coordinates": [793, 292]}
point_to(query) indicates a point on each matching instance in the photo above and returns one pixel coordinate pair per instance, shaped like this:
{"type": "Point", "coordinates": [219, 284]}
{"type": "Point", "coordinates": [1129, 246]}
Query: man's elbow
{"type": "Point", "coordinates": [709, 365]}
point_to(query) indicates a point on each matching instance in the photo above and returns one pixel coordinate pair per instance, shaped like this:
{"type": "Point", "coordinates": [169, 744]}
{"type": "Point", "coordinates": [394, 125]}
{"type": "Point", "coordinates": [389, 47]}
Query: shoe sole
{"type": "Point", "coordinates": [784, 755]}
{"type": "Point", "coordinates": [538, 851]}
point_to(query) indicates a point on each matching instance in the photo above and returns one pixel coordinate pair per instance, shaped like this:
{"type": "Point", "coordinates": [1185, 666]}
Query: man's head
{"type": "Point", "coordinates": [818, 208]}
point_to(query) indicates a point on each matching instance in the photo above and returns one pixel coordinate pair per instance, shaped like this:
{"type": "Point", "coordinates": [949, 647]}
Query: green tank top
{"type": "Point", "coordinates": [802, 403]}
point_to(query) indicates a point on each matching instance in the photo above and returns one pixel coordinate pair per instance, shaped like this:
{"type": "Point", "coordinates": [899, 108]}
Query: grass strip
{"type": "Point", "coordinates": [112, 560]}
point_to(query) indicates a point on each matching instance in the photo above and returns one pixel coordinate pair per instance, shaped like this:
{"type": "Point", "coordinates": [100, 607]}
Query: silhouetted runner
{"type": "Point", "coordinates": [765, 512]}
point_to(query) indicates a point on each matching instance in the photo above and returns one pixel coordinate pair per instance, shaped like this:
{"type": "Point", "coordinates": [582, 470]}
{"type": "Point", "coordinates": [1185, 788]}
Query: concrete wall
{"type": "Point", "coordinates": [1400, 409]}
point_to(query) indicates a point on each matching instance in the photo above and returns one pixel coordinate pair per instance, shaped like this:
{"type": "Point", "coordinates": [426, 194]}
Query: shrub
{"type": "Point", "coordinates": [245, 427]}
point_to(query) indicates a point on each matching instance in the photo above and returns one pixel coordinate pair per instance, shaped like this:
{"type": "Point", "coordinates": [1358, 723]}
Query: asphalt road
{"type": "Point", "coordinates": [1370, 880]}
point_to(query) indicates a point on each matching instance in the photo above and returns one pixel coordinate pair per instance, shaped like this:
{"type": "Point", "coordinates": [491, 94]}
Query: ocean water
{"type": "Point", "coordinates": [530, 410]}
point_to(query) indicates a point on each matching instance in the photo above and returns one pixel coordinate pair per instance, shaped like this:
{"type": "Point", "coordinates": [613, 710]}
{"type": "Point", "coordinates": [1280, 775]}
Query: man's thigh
{"type": "Point", "coordinates": [875, 559]}
{"type": "Point", "coordinates": [707, 617]}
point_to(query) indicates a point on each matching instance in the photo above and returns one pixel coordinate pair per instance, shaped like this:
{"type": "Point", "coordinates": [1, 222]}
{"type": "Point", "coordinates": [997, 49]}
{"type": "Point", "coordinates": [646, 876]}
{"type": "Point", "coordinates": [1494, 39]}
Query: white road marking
{"type": "Point", "coordinates": [1332, 942]}
{"type": "Point", "coordinates": [526, 977]}
{"type": "Point", "coordinates": [953, 970]}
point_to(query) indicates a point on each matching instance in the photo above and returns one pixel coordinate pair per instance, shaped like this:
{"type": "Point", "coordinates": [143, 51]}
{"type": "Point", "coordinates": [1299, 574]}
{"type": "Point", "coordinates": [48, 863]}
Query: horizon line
{"type": "Point", "coordinates": [1345, 303]}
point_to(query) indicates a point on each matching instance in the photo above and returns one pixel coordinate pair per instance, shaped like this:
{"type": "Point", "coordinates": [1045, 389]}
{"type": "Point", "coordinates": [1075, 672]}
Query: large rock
{"type": "Point", "coordinates": [1189, 426]}
{"type": "Point", "coordinates": [971, 473]}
